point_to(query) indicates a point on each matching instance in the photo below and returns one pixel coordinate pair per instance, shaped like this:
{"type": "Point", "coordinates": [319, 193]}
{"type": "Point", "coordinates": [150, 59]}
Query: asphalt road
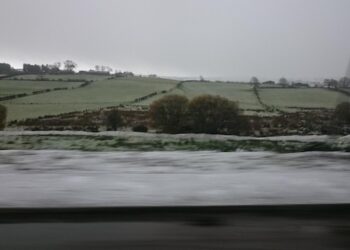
{"type": "Point", "coordinates": [248, 227]}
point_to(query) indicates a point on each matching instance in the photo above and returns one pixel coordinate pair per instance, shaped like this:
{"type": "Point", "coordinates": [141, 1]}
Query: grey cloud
{"type": "Point", "coordinates": [224, 38]}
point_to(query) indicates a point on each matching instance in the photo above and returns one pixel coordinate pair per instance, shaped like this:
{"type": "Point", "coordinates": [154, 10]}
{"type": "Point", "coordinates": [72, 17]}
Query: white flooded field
{"type": "Point", "coordinates": [42, 178]}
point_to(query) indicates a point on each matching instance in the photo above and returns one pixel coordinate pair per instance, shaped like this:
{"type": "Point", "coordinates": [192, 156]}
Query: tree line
{"type": "Point", "coordinates": [66, 67]}
{"type": "Point", "coordinates": [343, 82]}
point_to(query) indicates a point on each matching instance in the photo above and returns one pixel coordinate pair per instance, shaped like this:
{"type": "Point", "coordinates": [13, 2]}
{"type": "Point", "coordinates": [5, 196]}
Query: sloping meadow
{"type": "Point", "coordinates": [98, 94]}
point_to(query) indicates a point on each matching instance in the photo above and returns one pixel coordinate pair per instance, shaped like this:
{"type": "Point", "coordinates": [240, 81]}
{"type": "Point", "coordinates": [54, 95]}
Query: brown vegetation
{"type": "Point", "coordinates": [113, 120]}
{"type": "Point", "coordinates": [342, 112]}
{"type": "Point", "coordinates": [213, 115]}
{"type": "Point", "coordinates": [308, 122]}
{"type": "Point", "coordinates": [204, 114]}
{"type": "Point", "coordinates": [169, 113]}
{"type": "Point", "coordinates": [83, 121]}
{"type": "Point", "coordinates": [3, 114]}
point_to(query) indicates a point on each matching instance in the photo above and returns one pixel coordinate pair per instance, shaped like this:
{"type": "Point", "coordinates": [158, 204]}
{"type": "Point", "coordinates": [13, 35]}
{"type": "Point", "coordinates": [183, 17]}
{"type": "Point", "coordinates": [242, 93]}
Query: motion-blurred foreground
{"type": "Point", "coordinates": [42, 178]}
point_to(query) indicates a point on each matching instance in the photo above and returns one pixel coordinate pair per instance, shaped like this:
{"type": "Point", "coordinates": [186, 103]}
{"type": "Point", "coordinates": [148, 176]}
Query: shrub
{"type": "Point", "coordinates": [342, 112]}
{"type": "Point", "coordinates": [3, 114]}
{"type": "Point", "coordinates": [113, 120]}
{"type": "Point", "coordinates": [169, 113]}
{"type": "Point", "coordinates": [140, 128]}
{"type": "Point", "coordinates": [92, 129]}
{"type": "Point", "coordinates": [214, 114]}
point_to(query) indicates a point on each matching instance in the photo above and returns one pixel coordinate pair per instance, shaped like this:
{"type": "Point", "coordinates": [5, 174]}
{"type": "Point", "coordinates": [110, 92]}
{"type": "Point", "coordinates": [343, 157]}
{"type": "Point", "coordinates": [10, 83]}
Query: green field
{"type": "Point", "coordinates": [239, 92]}
{"type": "Point", "coordinates": [105, 93]}
{"type": "Point", "coordinates": [346, 90]}
{"type": "Point", "coordinates": [97, 95]}
{"type": "Point", "coordinates": [288, 98]}
{"type": "Point", "coordinates": [61, 77]}
{"type": "Point", "coordinates": [13, 87]}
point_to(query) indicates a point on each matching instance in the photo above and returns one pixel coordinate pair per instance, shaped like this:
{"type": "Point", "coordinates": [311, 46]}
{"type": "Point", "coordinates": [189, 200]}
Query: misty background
{"type": "Point", "coordinates": [224, 39]}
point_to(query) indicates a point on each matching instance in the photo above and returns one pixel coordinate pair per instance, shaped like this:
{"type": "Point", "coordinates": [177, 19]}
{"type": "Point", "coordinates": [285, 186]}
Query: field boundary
{"type": "Point", "coordinates": [343, 91]}
{"type": "Point", "coordinates": [268, 108]}
{"type": "Point", "coordinates": [143, 98]}
{"type": "Point", "coordinates": [37, 92]}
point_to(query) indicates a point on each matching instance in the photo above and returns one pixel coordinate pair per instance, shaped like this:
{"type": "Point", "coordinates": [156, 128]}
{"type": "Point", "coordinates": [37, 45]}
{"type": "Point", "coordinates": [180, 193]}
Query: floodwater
{"type": "Point", "coordinates": [51, 178]}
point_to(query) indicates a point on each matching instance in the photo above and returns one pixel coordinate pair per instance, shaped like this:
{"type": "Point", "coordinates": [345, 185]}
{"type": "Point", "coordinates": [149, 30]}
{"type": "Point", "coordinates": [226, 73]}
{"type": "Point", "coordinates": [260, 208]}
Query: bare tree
{"type": "Point", "coordinates": [53, 68]}
{"type": "Point", "coordinates": [254, 80]}
{"type": "Point", "coordinates": [109, 69]}
{"type": "Point", "coordinates": [103, 68]}
{"type": "Point", "coordinates": [331, 83]}
{"type": "Point", "coordinates": [69, 65]}
{"type": "Point", "coordinates": [283, 81]}
{"type": "Point", "coordinates": [57, 65]}
{"type": "Point", "coordinates": [344, 82]}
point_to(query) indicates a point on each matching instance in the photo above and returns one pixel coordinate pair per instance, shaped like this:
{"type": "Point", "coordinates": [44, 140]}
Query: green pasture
{"type": "Point", "coordinates": [97, 95]}
{"type": "Point", "coordinates": [13, 87]}
{"type": "Point", "coordinates": [289, 98]}
{"type": "Point", "coordinates": [240, 92]}
{"type": "Point", "coordinates": [112, 92]}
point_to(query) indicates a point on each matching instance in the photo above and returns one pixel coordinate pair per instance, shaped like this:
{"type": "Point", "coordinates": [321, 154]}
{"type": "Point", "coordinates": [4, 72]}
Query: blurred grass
{"type": "Point", "coordinates": [112, 143]}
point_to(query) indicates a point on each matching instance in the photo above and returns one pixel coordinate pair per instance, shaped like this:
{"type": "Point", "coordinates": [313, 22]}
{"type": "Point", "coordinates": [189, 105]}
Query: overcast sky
{"type": "Point", "coordinates": [232, 39]}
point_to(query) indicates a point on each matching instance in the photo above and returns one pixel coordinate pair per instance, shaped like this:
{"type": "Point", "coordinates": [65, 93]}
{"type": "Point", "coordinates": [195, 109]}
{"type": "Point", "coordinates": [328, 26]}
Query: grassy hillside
{"type": "Point", "coordinates": [239, 92]}
{"type": "Point", "coordinates": [285, 98]}
{"type": "Point", "coordinates": [112, 92]}
{"type": "Point", "coordinates": [97, 95]}
{"type": "Point", "coordinates": [13, 87]}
